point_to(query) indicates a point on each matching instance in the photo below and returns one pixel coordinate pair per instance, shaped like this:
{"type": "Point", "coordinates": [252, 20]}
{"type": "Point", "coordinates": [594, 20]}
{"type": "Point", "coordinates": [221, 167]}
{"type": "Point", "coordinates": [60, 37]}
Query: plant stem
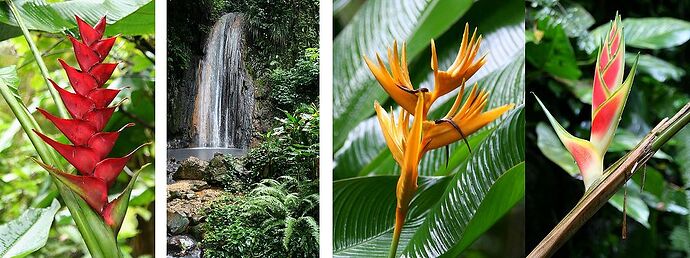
{"type": "Point", "coordinates": [39, 60]}
{"type": "Point", "coordinates": [399, 223]}
{"type": "Point", "coordinates": [614, 178]}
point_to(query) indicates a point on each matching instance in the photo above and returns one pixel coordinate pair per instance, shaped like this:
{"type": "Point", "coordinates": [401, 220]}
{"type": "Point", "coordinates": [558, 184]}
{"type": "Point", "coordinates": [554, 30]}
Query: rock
{"type": "Point", "coordinates": [219, 170]}
{"type": "Point", "coordinates": [193, 208]}
{"type": "Point", "coordinates": [190, 169]}
{"type": "Point", "coordinates": [228, 171]}
{"type": "Point", "coordinates": [172, 167]}
{"type": "Point", "coordinates": [185, 188]}
{"type": "Point", "coordinates": [183, 246]}
{"type": "Point", "coordinates": [198, 230]}
{"type": "Point", "coordinates": [177, 223]}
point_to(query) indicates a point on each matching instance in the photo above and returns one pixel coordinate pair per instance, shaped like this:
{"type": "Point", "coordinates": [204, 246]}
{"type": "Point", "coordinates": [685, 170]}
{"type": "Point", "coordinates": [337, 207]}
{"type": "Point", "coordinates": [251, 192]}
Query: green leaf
{"type": "Point", "coordinates": [553, 53]}
{"type": "Point", "coordinates": [59, 17]}
{"type": "Point", "coordinates": [636, 208]}
{"type": "Point", "coordinates": [659, 69]}
{"type": "Point", "coordinates": [650, 33]}
{"type": "Point", "coordinates": [365, 213]}
{"type": "Point", "coordinates": [140, 22]}
{"type": "Point", "coordinates": [372, 30]}
{"type": "Point", "coordinates": [459, 207]}
{"type": "Point", "coordinates": [549, 145]}
{"type": "Point", "coordinates": [28, 232]}
{"type": "Point", "coordinates": [121, 203]}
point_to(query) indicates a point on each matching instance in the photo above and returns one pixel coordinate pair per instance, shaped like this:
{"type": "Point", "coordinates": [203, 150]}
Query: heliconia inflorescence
{"type": "Point", "coordinates": [408, 144]}
{"type": "Point", "coordinates": [90, 111]}
{"type": "Point", "coordinates": [609, 95]}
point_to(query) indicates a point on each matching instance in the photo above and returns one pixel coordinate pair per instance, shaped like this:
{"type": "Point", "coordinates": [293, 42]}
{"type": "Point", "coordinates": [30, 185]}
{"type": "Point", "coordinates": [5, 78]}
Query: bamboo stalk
{"type": "Point", "coordinates": [614, 178]}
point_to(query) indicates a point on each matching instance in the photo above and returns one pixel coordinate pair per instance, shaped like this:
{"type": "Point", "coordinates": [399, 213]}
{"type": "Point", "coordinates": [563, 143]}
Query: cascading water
{"type": "Point", "coordinates": [224, 100]}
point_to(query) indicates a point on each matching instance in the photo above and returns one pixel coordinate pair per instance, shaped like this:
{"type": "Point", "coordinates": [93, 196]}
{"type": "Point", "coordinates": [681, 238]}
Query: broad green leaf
{"type": "Point", "coordinates": [59, 17]}
{"type": "Point", "coordinates": [28, 232]}
{"type": "Point", "coordinates": [371, 31]}
{"type": "Point", "coordinates": [140, 22]}
{"type": "Point", "coordinates": [553, 149]}
{"type": "Point", "coordinates": [365, 213]}
{"type": "Point", "coordinates": [459, 218]}
{"type": "Point", "coordinates": [459, 207]}
{"type": "Point", "coordinates": [8, 31]}
{"type": "Point", "coordinates": [636, 208]}
{"type": "Point", "coordinates": [553, 53]}
{"type": "Point", "coordinates": [365, 152]}
{"type": "Point", "coordinates": [625, 141]}
{"type": "Point", "coordinates": [650, 33]}
{"type": "Point", "coordinates": [659, 69]}
{"type": "Point", "coordinates": [683, 160]}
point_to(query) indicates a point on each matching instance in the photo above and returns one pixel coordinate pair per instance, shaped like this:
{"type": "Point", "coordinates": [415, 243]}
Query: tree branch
{"type": "Point", "coordinates": [614, 178]}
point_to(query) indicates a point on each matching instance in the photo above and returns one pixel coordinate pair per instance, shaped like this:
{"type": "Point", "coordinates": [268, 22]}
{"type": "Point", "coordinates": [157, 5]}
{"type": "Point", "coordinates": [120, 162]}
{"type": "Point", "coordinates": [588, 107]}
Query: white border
{"type": "Point", "coordinates": [161, 89]}
{"type": "Point", "coordinates": [325, 132]}
{"type": "Point", "coordinates": [326, 129]}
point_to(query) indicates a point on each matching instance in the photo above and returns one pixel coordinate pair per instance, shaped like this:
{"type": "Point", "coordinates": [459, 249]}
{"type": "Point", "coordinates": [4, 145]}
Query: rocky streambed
{"type": "Point", "coordinates": [193, 185]}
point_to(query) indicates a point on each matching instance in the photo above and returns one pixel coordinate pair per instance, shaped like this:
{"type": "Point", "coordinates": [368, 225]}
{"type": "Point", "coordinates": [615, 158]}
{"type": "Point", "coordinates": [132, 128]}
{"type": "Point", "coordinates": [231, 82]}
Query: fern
{"type": "Point", "coordinates": [277, 213]}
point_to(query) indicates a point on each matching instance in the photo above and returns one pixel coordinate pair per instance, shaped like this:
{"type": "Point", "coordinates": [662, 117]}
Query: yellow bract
{"type": "Point", "coordinates": [409, 143]}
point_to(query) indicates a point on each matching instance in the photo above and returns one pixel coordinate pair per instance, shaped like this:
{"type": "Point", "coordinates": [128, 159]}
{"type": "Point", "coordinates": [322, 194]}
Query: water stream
{"type": "Point", "coordinates": [224, 101]}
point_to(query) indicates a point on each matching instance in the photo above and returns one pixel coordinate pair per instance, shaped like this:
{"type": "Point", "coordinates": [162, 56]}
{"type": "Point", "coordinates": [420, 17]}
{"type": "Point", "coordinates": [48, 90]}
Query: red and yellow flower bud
{"type": "Point", "coordinates": [608, 100]}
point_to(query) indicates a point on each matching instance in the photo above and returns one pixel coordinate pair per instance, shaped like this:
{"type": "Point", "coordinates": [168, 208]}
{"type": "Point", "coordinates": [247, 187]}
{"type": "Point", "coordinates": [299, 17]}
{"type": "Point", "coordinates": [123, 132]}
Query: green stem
{"type": "Point", "coordinates": [394, 245]}
{"type": "Point", "coordinates": [399, 223]}
{"type": "Point", "coordinates": [39, 60]}
{"type": "Point", "coordinates": [671, 131]}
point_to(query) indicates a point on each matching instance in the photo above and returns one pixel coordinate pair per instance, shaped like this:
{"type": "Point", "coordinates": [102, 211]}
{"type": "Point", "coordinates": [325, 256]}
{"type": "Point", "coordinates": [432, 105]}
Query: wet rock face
{"type": "Point", "coordinates": [171, 168]}
{"type": "Point", "coordinates": [224, 100]}
{"type": "Point", "coordinates": [190, 169]}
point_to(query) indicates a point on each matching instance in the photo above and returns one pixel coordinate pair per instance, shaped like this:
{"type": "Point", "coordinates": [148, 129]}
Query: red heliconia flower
{"type": "Point", "coordinates": [90, 111]}
{"type": "Point", "coordinates": [609, 95]}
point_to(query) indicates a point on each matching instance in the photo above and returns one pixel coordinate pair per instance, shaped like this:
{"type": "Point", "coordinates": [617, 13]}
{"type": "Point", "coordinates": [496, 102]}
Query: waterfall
{"type": "Point", "coordinates": [224, 99]}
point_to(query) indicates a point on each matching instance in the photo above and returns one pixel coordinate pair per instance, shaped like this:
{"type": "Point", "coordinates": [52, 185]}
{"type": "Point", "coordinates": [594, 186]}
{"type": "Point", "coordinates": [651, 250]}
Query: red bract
{"type": "Point", "coordinates": [609, 94]}
{"type": "Point", "coordinates": [90, 111]}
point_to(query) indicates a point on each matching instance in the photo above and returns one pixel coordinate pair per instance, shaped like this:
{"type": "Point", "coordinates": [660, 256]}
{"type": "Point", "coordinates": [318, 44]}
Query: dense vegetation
{"type": "Point", "coordinates": [278, 218]}
{"type": "Point", "coordinates": [278, 214]}
{"type": "Point", "coordinates": [562, 38]}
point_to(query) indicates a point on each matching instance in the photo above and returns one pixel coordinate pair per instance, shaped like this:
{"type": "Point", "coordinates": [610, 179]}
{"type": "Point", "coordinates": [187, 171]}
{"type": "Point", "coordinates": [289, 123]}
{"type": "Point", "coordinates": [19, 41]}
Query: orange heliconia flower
{"type": "Point", "coordinates": [409, 143]}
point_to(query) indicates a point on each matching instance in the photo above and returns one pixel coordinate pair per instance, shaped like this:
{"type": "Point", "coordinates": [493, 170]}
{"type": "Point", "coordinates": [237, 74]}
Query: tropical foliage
{"type": "Point", "coordinates": [27, 189]}
{"type": "Point", "coordinates": [279, 217]}
{"type": "Point", "coordinates": [561, 52]}
{"type": "Point", "coordinates": [459, 196]}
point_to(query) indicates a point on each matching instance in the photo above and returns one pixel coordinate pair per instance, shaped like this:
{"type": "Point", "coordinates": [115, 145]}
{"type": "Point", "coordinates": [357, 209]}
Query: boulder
{"type": "Point", "coordinates": [177, 223]}
{"type": "Point", "coordinates": [190, 169]}
{"type": "Point", "coordinates": [183, 246]}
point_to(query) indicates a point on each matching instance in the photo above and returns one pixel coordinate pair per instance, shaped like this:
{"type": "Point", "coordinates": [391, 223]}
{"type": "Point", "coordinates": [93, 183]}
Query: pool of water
{"type": "Point", "coordinates": [204, 153]}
